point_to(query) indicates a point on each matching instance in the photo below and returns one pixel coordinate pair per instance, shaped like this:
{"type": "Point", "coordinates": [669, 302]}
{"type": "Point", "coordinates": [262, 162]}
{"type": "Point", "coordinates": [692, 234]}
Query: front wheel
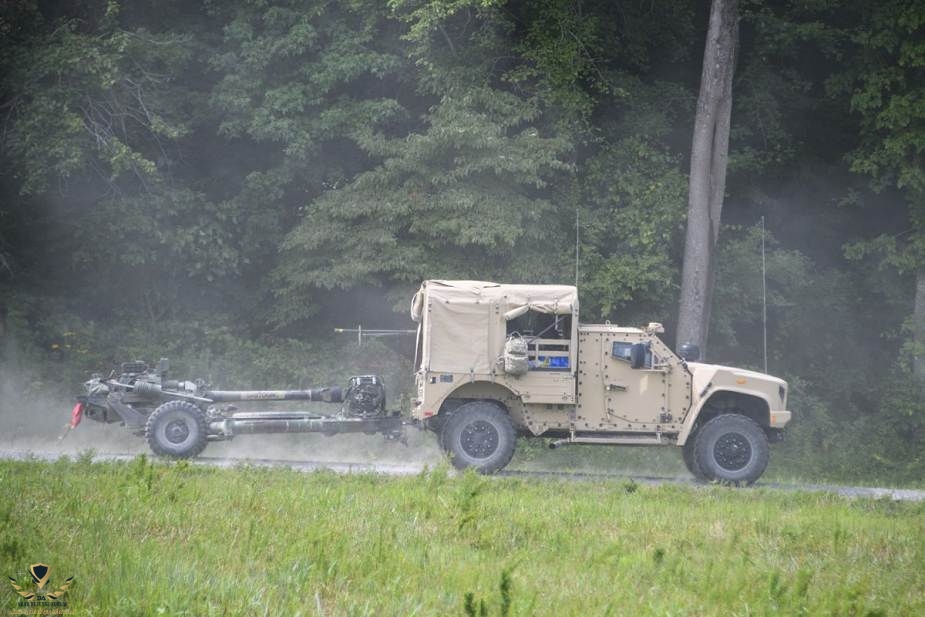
{"type": "Point", "coordinates": [177, 429]}
{"type": "Point", "coordinates": [731, 448]}
{"type": "Point", "coordinates": [687, 453]}
{"type": "Point", "coordinates": [479, 435]}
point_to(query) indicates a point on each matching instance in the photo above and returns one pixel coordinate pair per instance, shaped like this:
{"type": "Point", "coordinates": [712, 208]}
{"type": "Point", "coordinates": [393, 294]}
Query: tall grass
{"type": "Point", "coordinates": [149, 539]}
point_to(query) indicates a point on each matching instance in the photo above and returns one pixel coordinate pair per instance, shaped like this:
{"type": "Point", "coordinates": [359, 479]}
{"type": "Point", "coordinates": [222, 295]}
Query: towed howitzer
{"type": "Point", "coordinates": [179, 418]}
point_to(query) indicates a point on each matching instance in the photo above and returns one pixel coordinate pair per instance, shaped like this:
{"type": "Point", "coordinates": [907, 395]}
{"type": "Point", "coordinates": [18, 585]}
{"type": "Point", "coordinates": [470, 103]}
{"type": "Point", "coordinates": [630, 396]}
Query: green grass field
{"type": "Point", "coordinates": [173, 539]}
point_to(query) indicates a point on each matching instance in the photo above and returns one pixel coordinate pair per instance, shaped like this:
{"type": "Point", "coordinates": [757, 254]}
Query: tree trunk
{"type": "Point", "coordinates": [918, 328]}
{"type": "Point", "coordinates": [709, 155]}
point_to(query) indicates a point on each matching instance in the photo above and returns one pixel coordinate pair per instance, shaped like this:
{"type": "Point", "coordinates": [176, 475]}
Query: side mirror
{"type": "Point", "coordinates": [638, 353]}
{"type": "Point", "coordinates": [689, 352]}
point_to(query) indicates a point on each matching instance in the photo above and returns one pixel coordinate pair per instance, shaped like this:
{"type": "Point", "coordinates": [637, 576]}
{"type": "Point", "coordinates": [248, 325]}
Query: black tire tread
{"type": "Point", "coordinates": [689, 458]}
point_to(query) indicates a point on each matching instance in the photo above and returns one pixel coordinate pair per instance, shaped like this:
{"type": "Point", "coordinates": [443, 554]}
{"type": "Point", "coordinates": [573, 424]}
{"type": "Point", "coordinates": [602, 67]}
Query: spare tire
{"type": "Point", "coordinates": [177, 429]}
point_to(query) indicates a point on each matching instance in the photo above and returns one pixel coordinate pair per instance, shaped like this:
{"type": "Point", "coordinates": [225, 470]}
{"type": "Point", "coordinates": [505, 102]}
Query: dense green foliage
{"type": "Point", "coordinates": [143, 539]}
{"type": "Point", "coordinates": [224, 182]}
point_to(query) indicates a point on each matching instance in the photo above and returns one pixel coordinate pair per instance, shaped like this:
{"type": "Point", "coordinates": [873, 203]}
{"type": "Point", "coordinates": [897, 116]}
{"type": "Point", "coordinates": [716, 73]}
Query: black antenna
{"type": "Point", "coordinates": [764, 298]}
{"type": "Point", "coordinates": [577, 227]}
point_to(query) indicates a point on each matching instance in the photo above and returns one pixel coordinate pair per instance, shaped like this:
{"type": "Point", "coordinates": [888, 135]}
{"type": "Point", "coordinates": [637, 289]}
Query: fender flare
{"type": "Point", "coordinates": [471, 389]}
{"type": "Point", "coordinates": [694, 414]}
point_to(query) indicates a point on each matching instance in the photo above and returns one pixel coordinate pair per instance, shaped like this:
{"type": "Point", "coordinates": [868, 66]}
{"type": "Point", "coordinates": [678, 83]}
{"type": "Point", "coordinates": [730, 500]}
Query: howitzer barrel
{"type": "Point", "coordinates": [147, 388]}
{"type": "Point", "coordinates": [322, 395]}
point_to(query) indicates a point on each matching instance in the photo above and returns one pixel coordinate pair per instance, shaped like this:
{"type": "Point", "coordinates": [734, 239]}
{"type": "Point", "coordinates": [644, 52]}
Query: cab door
{"type": "Point", "coordinates": [634, 399]}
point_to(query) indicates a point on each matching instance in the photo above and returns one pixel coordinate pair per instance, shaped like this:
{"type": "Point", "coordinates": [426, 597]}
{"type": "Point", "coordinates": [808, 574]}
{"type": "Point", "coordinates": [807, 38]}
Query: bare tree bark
{"type": "Point", "coordinates": [709, 156]}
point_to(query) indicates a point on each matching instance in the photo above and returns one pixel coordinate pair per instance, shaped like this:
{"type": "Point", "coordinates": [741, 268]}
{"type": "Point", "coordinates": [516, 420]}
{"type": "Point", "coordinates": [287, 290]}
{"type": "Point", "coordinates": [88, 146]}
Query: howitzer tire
{"type": "Point", "coordinates": [177, 429]}
{"type": "Point", "coordinates": [690, 461]}
{"type": "Point", "coordinates": [479, 435]}
{"type": "Point", "coordinates": [731, 448]}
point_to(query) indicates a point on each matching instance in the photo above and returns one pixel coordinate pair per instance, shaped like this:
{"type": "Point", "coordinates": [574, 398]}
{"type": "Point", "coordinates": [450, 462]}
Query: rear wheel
{"type": "Point", "coordinates": [479, 435]}
{"type": "Point", "coordinates": [177, 429]}
{"type": "Point", "coordinates": [731, 448]}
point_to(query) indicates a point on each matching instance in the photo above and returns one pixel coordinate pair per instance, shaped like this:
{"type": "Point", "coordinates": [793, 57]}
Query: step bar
{"type": "Point", "coordinates": [616, 439]}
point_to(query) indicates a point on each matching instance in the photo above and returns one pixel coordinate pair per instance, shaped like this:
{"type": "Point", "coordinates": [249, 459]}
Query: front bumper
{"type": "Point", "coordinates": [779, 419]}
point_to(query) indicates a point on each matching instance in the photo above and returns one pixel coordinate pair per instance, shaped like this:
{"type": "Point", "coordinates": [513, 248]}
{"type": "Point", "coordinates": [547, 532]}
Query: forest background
{"type": "Point", "coordinates": [225, 182]}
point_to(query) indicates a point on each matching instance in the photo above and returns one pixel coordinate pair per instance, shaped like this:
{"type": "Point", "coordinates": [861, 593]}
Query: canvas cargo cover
{"type": "Point", "coordinates": [463, 334]}
{"type": "Point", "coordinates": [558, 299]}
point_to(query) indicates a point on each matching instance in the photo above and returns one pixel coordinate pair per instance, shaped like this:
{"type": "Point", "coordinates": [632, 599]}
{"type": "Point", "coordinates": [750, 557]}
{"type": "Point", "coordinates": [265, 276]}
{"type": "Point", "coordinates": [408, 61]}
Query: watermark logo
{"type": "Point", "coordinates": [36, 599]}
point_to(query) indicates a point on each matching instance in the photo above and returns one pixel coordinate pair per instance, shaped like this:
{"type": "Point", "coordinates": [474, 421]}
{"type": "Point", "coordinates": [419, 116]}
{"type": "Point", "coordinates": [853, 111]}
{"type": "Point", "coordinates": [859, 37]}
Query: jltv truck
{"type": "Point", "coordinates": [496, 361]}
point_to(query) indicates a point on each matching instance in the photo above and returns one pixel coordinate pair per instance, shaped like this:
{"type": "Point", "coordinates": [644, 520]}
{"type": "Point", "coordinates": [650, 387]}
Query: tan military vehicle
{"type": "Point", "coordinates": [495, 361]}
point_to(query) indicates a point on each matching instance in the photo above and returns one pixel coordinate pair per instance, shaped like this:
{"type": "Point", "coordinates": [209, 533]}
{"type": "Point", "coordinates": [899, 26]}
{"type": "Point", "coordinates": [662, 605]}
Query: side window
{"type": "Point", "coordinates": [623, 351]}
{"type": "Point", "coordinates": [541, 325]}
{"type": "Point", "coordinates": [548, 339]}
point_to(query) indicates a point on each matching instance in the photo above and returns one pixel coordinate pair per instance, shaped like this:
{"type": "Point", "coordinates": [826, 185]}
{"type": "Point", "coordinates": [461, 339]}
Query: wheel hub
{"type": "Point", "coordinates": [732, 451]}
{"type": "Point", "coordinates": [176, 431]}
{"type": "Point", "coordinates": [479, 439]}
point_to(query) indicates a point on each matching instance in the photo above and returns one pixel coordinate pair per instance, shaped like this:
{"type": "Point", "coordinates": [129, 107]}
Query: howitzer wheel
{"type": "Point", "coordinates": [177, 429]}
